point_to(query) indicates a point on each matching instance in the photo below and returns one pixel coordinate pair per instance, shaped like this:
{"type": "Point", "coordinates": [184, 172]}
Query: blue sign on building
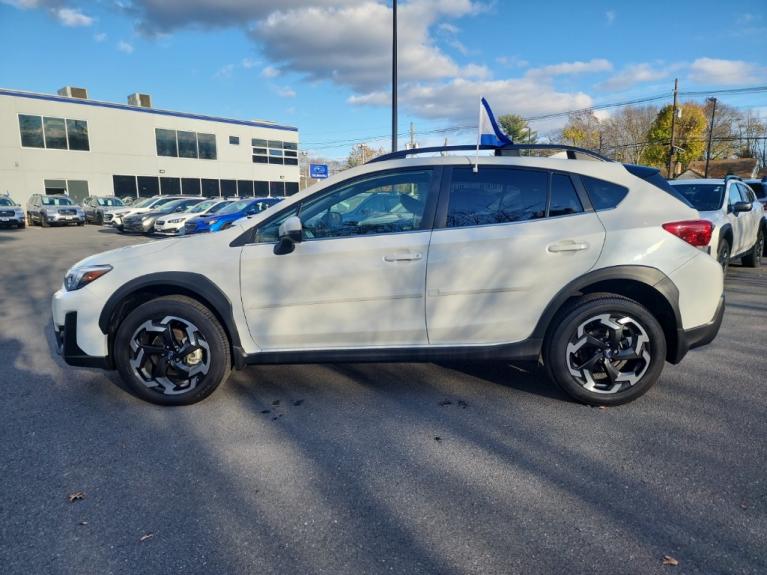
{"type": "Point", "coordinates": [318, 171]}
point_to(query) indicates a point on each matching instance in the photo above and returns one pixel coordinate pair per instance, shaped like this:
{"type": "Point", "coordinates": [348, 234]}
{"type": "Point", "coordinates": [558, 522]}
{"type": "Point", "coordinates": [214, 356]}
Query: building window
{"type": "Point", "coordinates": [166, 142]}
{"type": "Point", "coordinates": [53, 133]}
{"type": "Point", "coordinates": [77, 135]}
{"type": "Point", "coordinates": [148, 186]}
{"type": "Point", "coordinates": [228, 188]}
{"type": "Point", "coordinates": [244, 188]}
{"type": "Point", "coordinates": [55, 187]}
{"type": "Point", "coordinates": [276, 188]}
{"type": "Point", "coordinates": [275, 152]}
{"type": "Point", "coordinates": [256, 143]}
{"type": "Point", "coordinates": [291, 161]}
{"type": "Point", "coordinates": [291, 188]}
{"type": "Point", "coordinates": [187, 144]}
{"type": "Point", "coordinates": [31, 128]}
{"type": "Point", "coordinates": [190, 186]}
{"type": "Point", "coordinates": [290, 146]}
{"type": "Point", "coordinates": [260, 160]}
{"type": "Point", "coordinates": [210, 188]}
{"type": "Point", "coordinates": [234, 140]}
{"type": "Point", "coordinates": [124, 186]}
{"type": "Point", "coordinates": [207, 145]}
{"type": "Point", "coordinates": [170, 186]}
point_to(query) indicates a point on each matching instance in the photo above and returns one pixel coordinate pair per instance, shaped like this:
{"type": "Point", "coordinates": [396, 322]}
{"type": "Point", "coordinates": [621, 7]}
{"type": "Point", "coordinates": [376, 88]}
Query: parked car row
{"type": "Point", "coordinates": [162, 215]}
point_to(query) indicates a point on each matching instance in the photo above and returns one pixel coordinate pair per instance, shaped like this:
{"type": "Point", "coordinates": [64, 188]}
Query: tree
{"type": "Point", "coordinates": [362, 153]}
{"type": "Point", "coordinates": [724, 144]}
{"type": "Point", "coordinates": [624, 134]}
{"type": "Point", "coordinates": [518, 129]}
{"type": "Point", "coordinates": [689, 138]}
{"type": "Point", "coordinates": [582, 130]}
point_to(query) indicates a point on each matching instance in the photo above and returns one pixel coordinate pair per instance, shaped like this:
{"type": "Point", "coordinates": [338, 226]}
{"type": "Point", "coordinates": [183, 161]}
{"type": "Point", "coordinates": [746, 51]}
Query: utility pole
{"type": "Point", "coordinates": [710, 134]}
{"type": "Point", "coordinates": [673, 125]}
{"type": "Point", "coordinates": [394, 79]}
{"type": "Point", "coordinates": [412, 136]}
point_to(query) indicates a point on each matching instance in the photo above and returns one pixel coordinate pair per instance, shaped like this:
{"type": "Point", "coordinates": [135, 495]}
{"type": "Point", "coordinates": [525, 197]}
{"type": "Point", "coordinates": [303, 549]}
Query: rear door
{"type": "Point", "coordinates": [739, 222]}
{"type": "Point", "coordinates": [507, 240]}
{"type": "Point", "coordinates": [753, 218]}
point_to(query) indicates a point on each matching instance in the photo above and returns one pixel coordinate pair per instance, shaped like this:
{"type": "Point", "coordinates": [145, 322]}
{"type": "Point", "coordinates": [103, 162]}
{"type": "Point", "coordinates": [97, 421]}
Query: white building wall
{"type": "Point", "coordinates": [122, 142]}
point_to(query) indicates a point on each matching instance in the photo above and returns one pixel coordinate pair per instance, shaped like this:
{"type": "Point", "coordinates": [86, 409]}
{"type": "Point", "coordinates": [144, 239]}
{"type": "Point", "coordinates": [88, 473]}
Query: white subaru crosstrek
{"type": "Point", "coordinates": [593, 268]}
{"type": "Point", "coordinates": [738, 217]}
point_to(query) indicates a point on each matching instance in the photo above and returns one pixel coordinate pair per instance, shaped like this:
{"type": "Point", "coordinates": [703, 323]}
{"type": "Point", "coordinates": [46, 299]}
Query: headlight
{"type": "Point", "coordinates": [213, 221]}
{"type": "Point", "coordinates": [19, 212]}
{"type": "Point", "coordinates": [81, 277]}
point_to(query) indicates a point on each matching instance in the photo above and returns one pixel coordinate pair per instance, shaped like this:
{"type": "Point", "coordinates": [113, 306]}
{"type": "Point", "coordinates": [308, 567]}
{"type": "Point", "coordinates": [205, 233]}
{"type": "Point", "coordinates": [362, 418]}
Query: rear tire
{"type": "Point", "coordinates": [723, 254]}
{"type": "Point", "coordinates": [753, 259]}
{"type": "Point", "coordinates": [605, 350]}
{"type": "Point", "coordinates": [172, 351]}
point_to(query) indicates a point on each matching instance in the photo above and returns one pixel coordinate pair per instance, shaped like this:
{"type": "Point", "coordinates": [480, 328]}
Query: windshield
{"type": "Point", "coordinates": [174, 205]}
{"type": "Point", "coordinates": [145, 203]}
{"type": "Point", "coordinates": [703, 197]}
{"type": "Point", "coordinates": [6, 202]}
{"type": "Point", "coordinates": [235, 207]}
{"type": "Point", "coordinates": [162, 202]}
{"type": "Point", "coordinates": [57, 201]}
{"type": "Point", "coordinates": [110, 202]}
{"type": "Point", "coordinates": [202, 206]}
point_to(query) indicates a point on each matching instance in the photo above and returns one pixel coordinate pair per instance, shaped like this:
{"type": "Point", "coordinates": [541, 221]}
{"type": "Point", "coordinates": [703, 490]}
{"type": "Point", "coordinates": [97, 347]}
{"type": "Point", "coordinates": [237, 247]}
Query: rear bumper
{"type": "Point", "coordinates": [698, 336]}
{"type": "Point", "coordinates": [66, 343]}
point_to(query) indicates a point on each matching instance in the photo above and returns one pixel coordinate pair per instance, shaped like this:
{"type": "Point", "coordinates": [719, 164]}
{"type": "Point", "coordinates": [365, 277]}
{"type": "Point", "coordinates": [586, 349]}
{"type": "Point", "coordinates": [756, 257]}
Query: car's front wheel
{"type": "Point", "coordinates": [723, 255]}
{"type": "Point", "coordinates": [605, 350]}
{"type": "Point", "coordinates": [172, 351]}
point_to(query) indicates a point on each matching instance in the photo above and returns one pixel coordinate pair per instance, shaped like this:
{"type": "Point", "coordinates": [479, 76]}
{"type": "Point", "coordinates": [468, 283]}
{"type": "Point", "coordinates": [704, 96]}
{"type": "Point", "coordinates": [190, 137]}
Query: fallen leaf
{"type": "Point", "coordinates": [76, 496]}
{"type": "Point", "coordinates": [744, 505]}
{"type": "Point", "coordinates": [83, 523]}
{"type": "Point", "coordinates": [603, 407]}
{"type": "Point", "coordinates": [146, 536]}
{"type": "Point", "coordinates": [669, 560]}
{"type": "Point", "coordinates": [462, 404]}
{"type": "Point", "coordinates": [298, 402]}
{"type": "Point", "coordinates": [265, 411]}
{"type": "Point", "coordinates": [445, 402]}
{"type": "Point", "coordinates": [437, 438]}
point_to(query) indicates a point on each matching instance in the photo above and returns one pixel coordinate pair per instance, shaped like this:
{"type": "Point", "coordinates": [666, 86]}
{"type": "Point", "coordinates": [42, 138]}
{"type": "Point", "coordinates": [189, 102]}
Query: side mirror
{"type": "Point", "coordinates": [290, 233]}
{"type": "Point", "coordinates": [739, 207]}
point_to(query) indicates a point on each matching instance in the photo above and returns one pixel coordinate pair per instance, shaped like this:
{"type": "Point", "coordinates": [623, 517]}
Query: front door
{"type": "Point", "coordinates": [739, 221]}
{"type": "Point", "coordinates": [357, 280]}
{"type": "Point", "coordinates": [511, 239]}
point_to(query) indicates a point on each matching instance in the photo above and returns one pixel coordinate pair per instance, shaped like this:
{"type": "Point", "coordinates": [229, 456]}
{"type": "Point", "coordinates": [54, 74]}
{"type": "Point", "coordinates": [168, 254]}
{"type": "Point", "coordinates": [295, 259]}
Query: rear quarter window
{"type": "Point", "coordinates": [603, 195]}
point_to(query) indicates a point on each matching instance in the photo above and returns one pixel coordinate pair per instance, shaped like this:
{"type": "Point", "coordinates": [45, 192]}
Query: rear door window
{"type": "Point", "coordinates": [603, 195]}
{"type": "Point", "coordinates": [564, 198]}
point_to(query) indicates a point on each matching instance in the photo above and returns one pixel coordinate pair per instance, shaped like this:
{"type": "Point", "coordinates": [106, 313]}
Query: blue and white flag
{"type": "Point", "coordinates": [490, 133]}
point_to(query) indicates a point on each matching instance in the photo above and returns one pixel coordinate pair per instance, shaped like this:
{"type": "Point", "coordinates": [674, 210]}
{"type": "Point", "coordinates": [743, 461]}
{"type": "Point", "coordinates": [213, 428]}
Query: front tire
{"type": "Point", "coordinates": [172, 351]}
{"type": "Point", "coordinates": [753, 259]}
{"type": "Point", "coordinates": [723, 255]}
{"type": "Point", "coordinates": [605, 350]}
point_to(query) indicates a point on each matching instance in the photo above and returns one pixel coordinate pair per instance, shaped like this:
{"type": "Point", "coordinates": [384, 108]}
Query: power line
{"type": "Point", "coordinates": [690, 93]}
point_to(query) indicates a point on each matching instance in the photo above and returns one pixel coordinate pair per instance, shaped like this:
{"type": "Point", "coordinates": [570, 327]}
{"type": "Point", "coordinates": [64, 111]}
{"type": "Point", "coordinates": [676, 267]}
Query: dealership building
{"type": "Point", "coordinates": [68, 143]}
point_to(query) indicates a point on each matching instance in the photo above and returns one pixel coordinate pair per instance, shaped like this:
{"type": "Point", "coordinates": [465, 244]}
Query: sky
{"type": "Point", "coordinates": [325, 65]}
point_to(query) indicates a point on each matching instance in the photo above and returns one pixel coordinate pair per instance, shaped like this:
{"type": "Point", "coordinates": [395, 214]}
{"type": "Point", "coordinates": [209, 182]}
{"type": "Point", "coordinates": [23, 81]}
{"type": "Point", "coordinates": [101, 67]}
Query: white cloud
{"type": "Point", "coordinates": [572, 68]}
{"type": "Point", "coordinates": [512, 61]}
{"type": "Point", "coordinates": [224, 71]}
{"type": "Point", "coordinates": [284, 91]}
{"type": "Point", "coordinates": [610, 17]}
{"type": "Point", "coordinates": [72, 17]}
{"type": "Point", "coordinates": [125, 47]}
{"type": "Point", "coordinates": [726, 72]}
{"type": "Point", "coordinates": [100, 37]}
{"type": "Point", "coordinates": [631, 75]}
{"type": "Point", "coordinates": [248, 63]}
{"type": "Point", "coordinates": [270, 72]}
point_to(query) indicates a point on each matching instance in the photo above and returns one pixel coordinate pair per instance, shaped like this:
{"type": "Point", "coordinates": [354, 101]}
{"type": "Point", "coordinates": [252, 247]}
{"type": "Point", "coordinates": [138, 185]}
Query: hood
{"type": "Point", "coordinates": [126, 254]}
{"type": "Point", "coordinates": [59, 208]}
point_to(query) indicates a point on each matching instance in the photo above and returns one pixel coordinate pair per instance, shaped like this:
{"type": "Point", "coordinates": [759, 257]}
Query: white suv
{"type": "Point", "coordinates": [591, 267]}
{"type": "Point", "coordinates": [737, 215]}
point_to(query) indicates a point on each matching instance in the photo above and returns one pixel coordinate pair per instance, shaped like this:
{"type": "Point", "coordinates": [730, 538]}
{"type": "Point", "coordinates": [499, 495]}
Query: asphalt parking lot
{"type": "Point", "coordinates": [374, 468]}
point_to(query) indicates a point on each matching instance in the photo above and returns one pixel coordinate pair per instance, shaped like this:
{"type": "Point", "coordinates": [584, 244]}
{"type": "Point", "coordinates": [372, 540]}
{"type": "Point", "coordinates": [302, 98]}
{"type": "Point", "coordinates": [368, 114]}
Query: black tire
{"type": "Point", "coordinates": [567, 350]}
{"type": "Point", "coordinates": [753, 259]}
{"type": "Point", "coordinates": [723, 254]}
{"type": "Point", "coordinates": [43, 222]}
{"type": "Point", "coordinates": [100, 219]}
{"type": "Point", "coordinates": [150, 324]}
{"type": "Point", "coordinates": [21, 225]}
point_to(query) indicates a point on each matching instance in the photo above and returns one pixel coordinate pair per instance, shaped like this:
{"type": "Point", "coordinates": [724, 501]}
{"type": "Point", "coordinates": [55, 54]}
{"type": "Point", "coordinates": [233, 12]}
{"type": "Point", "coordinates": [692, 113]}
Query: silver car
{"type": "Point", "coordinates": [57, 209]}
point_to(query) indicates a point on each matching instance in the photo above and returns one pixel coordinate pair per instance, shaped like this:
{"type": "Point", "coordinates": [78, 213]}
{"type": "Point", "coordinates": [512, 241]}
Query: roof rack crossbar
{"type": "Point", "coordinates": [499, 151]}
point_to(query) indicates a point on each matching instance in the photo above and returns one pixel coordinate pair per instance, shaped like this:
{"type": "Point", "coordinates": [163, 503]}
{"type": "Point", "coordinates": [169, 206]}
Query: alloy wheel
{"type": "Point", "coordinates": [170, 356]}
{"type": "Point", "coordinates": [724, 257]}
{"type": "Point", "coordinates": [608, 353]}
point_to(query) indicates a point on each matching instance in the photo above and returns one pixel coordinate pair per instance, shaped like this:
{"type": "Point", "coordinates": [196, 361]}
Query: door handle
{"type": "Point", "coordinates": [403, 257]}
{"type": "Point", "coordinates": [567, 246]}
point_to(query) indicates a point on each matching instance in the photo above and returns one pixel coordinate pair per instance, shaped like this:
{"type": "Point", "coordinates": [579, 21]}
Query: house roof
{"type": "Point", "coordinates": [742, 167]}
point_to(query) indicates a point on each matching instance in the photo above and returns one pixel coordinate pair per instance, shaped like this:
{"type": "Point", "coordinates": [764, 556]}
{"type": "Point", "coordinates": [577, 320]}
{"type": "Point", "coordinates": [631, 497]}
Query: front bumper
{"type": "Point", "coordinates": [13, 220]}
{"type": "Point", "coordinates": [698, 336]}
{"type": "Point", "coordinates": [139, 227]}
{"type": "Point", "coordinates": [169, 229]}
{"type": "Point", "coordinates": [64, 219]}
{"type": "Point", "coordinates": [66, 343]}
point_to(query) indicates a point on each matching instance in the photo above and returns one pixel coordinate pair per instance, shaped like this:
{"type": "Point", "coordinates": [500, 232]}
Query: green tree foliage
{"type": "Point", "coordinates": [517, 129]}
{"type": "Point", "coordinates": [690, 136]}
{"type": "Point", "coordinates": [583, 129]}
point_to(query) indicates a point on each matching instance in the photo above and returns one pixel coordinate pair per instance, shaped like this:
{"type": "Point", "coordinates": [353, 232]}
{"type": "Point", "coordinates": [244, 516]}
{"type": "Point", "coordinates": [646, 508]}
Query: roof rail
{"type": "Point", "coordinates": [729, 177]}
{"type": "Point", "coordinates": [507, 150]}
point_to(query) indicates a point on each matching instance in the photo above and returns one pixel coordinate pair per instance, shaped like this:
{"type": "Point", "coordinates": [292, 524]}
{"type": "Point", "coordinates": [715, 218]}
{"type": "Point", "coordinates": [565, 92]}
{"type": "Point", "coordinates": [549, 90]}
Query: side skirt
{"type": "Point", "coordinates": [527, 350]}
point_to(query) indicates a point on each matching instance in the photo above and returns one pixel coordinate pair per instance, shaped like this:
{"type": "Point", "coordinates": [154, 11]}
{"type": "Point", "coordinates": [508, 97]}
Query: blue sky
{"type": "Point", "coordinates": [323, 65]}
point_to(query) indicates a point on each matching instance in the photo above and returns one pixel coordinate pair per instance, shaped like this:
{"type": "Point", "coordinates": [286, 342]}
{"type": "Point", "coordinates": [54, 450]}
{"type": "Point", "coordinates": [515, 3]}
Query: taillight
{"type": "Point", "coordinates": [695, 232]}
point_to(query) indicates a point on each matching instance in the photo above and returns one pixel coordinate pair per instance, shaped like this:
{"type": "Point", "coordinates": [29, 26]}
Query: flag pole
{"type": "Point", "coordinates": [479, 136]}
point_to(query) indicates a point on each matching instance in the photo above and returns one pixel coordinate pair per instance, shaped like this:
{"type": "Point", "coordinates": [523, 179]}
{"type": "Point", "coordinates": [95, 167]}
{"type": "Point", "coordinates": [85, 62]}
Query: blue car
{"type": "Point", "coordinates": [224, 218]}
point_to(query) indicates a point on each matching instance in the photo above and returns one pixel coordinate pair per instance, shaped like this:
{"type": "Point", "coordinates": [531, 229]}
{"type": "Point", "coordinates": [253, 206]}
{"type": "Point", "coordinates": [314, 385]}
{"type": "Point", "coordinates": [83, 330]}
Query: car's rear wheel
{"type": "Point", "coordinates": [753, 259]}
{"type": "Point", "coordinates": [172, 351]}
{"type": "Point", "coordinates": [605, 350]}
{"type": "Point", "coordinates": [723, 255]}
